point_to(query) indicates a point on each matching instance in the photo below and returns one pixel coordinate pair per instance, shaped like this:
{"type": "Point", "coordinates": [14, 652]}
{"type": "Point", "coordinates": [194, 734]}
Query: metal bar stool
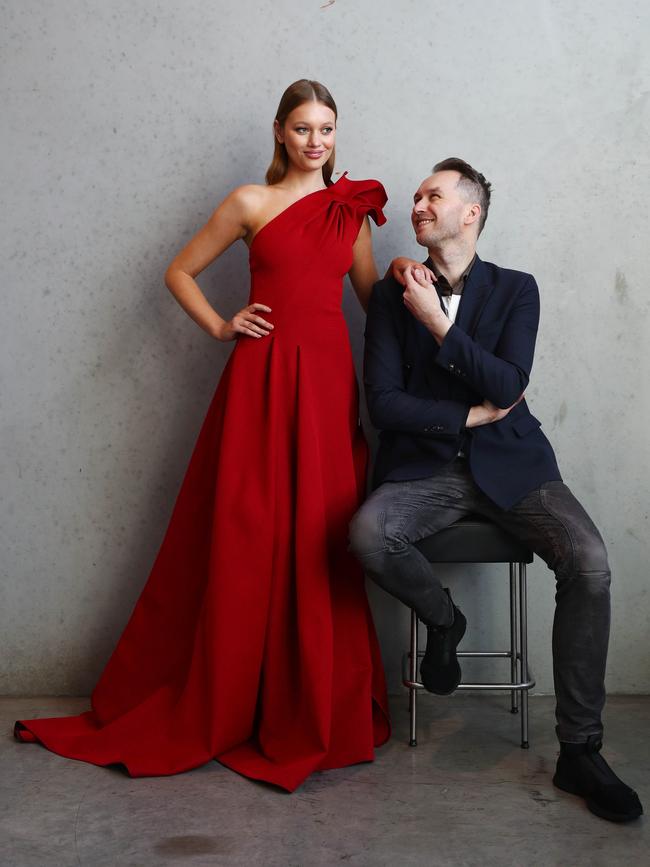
{"type": "Point", "coordinates": [476, 540]}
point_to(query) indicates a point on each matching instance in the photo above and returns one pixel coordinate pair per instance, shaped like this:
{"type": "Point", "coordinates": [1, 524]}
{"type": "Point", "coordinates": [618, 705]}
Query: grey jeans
{"type": "Point", "coordinates": [551, 522]}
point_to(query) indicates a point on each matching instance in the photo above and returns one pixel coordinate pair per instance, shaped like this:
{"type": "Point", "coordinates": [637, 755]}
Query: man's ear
{"type": "Point", "coordinates": [473, 214]}
{"type": "Point", "coordinates": [277, 131]}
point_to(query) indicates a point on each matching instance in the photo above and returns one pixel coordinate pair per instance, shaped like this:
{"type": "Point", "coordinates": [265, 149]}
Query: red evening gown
{"type": "Point", "coordinates": [252, 642]}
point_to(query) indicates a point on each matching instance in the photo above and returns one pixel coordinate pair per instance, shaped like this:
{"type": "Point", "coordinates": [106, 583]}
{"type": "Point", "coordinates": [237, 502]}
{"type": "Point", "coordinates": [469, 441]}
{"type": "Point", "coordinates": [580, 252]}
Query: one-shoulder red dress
{"type": "Point", "coordinates": [252, 642]}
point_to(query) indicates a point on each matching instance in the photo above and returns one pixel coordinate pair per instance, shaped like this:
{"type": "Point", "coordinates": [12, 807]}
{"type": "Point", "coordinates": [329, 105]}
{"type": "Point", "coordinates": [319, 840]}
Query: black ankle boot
{"type": "Point", "coordinates": [581, 770]}
{"type": "Point", "coordinates": [439, 669]}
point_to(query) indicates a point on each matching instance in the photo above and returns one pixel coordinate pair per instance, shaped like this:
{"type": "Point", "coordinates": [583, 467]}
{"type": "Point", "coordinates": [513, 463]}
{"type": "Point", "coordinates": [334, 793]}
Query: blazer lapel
{"type": "Point", "coordinates": [475, 296]}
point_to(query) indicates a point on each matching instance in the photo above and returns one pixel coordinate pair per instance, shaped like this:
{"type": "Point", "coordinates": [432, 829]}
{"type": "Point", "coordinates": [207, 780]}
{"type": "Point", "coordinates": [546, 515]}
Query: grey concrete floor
{"type": "Point", "coordinates": [466, 795]}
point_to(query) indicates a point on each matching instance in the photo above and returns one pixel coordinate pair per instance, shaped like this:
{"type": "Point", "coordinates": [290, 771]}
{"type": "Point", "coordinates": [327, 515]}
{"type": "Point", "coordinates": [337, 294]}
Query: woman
{"type": "Point", "coordinates": [252, 641]}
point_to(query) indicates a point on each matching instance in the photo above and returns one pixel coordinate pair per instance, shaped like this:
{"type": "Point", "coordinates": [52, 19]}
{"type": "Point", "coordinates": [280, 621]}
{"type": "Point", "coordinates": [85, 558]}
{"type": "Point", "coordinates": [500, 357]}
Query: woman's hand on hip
{"type": "Point", "coordinates": [246, 323]}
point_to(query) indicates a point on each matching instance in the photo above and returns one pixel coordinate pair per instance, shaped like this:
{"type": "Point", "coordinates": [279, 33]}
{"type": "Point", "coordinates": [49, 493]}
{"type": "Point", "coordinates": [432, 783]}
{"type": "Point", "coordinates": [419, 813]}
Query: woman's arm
{"type": "Point", "coordinates": [229, 222]}
{"type": "Point", "coordinates": [363, 272]}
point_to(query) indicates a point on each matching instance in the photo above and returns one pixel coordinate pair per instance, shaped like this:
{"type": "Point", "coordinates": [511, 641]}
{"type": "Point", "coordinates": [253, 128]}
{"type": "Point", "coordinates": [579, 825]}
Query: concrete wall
{"type": "Point", "coordinates": [127, 122]}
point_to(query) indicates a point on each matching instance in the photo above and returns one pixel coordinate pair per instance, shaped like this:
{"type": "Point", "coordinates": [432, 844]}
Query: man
{"type": "Point", "coordinates": [446, 368]}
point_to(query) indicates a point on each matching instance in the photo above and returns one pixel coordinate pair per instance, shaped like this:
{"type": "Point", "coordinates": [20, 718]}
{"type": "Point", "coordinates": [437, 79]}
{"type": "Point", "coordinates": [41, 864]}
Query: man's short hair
{"type": "Point", "coordinates": [473, 184]}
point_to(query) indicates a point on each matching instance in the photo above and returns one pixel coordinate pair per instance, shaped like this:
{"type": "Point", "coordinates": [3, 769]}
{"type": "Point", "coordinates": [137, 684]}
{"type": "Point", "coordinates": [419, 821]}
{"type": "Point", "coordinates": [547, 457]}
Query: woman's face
{"type": "Point", "coordinates": [308, 135]}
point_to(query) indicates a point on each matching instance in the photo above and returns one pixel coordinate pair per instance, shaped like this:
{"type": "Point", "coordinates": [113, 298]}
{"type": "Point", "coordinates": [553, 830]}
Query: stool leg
{"type": "Point", "coordinates": [514, 706]}
{"type": "Point", "coordinates": [413, 672]}
{"type": "Point", "coordinates": [523, 644]}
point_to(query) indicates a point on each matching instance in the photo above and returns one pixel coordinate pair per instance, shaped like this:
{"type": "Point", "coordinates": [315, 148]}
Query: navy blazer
{"type": "Point", "coordinates": [419, 393]}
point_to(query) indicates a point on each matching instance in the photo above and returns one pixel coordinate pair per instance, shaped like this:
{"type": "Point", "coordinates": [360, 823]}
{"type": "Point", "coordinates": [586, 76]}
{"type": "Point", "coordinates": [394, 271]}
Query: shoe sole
{"type": "Point", "coordinates": [440, 691]}
{"type": "Point", "coordinates": [593, 807]}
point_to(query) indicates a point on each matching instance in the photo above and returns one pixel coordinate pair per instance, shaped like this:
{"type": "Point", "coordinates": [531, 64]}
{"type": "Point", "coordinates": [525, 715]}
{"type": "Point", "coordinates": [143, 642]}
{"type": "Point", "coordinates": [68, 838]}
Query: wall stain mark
{"type": "Point", "coordinates": [561, 414]}
{"type": "Point", "coordinates": [634, 535]}
{"type": "Point", "coordinates": [620, 287]}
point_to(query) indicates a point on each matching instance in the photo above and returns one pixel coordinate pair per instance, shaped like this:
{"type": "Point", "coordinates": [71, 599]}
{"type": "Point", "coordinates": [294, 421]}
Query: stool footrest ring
{"type": "Point", "coordinates": [507, 687]}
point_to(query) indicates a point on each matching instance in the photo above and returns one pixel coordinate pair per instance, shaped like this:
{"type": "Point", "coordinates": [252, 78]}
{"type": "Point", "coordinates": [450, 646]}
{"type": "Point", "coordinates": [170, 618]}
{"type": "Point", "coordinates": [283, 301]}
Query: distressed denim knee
{"type": "Point", "coordinates": [366, 532]}
{"type": "Point", "coordinates": [591, 554]}
{"type": "Point", "coordinates": [582, 554]}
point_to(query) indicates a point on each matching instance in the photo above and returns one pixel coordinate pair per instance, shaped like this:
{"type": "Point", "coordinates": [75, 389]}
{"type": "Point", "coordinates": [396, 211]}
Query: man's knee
{"type": "Point", "coordinates": [586, 564]}
{"type": "Point", "coordinates": [579, 550]}
{"type": "Point", "coordinates": [367, 531]}
{"type": "Point", "coordinates": [592, 556]}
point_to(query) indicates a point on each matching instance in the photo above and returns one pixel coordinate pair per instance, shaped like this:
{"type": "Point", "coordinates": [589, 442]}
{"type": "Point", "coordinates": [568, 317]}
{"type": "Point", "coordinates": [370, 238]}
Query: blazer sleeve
{"type": "Point", "coordinates": [502, 376]}
{"type": "Point", "coordinates": [390, 406]}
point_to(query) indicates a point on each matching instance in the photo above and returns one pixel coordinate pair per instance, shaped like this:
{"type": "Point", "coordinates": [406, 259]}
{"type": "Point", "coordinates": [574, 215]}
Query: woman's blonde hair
{"type": "Point", "coordinates": [296, 94]}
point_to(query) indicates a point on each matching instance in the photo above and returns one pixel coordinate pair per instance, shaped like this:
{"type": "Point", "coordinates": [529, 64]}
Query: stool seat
{"type": "Point", "coordinates": [474, 540]}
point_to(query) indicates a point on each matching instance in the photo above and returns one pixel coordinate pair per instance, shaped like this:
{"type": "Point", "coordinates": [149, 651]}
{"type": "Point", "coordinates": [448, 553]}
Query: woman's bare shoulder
{"type": "Point", "coordinates": [242, 205]}
{"type": "Point", "coordinates": [249, 196]}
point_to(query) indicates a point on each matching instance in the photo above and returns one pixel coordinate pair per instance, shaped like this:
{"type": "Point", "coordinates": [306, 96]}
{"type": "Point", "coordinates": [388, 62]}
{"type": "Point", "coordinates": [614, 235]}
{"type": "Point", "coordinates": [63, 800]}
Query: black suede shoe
{"type": "Point", "coordinates": [439, 669]}
{"type": "Point", "coordinates": [581, 770]}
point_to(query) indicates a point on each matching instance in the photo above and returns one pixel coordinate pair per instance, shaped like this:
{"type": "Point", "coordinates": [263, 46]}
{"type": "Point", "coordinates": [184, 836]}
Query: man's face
{"type": "Point", "coordinates": [439, 210]}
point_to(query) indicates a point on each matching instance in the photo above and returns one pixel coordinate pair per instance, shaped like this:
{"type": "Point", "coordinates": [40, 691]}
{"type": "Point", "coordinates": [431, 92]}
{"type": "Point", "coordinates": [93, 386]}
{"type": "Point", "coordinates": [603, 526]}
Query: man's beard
{"type": "Point", "coordinates": [436, 236]}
